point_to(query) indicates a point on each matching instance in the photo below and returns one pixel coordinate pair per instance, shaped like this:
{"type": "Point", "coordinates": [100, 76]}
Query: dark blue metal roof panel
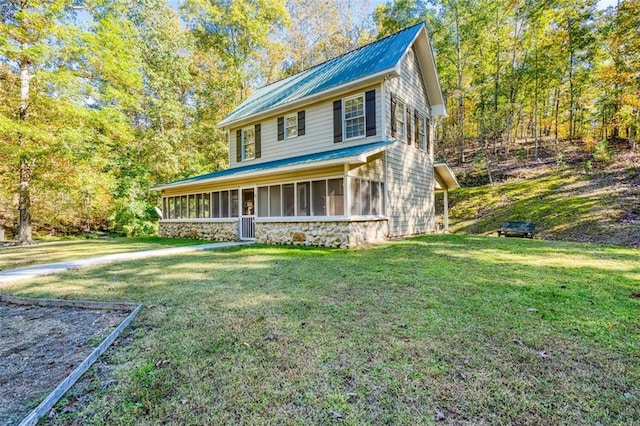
{"type": "Point", "coordinates": [368, 60]}
{"type": "Point", "coordinates": [349, 151]}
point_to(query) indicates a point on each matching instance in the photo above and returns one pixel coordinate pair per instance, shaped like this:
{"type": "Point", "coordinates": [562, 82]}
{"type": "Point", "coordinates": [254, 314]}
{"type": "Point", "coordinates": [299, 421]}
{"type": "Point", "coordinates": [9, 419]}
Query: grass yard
{"type": "Point", "coordinates": [68, 249]}
{"type": "Point", "coordinates": [447, 329]}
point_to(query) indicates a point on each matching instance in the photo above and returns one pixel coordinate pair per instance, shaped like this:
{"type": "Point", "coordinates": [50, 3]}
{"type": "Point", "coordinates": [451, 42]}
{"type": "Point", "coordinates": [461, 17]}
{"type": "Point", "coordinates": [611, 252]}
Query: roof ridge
{"type": "Point", "coordinates": [341, 55]}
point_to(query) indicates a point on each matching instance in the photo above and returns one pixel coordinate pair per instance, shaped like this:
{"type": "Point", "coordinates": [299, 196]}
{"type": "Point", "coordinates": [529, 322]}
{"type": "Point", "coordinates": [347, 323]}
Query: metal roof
{"type": "Point", "coordinates": [378, 57]}
{"type": "Point", "coordinates": [342, 154]}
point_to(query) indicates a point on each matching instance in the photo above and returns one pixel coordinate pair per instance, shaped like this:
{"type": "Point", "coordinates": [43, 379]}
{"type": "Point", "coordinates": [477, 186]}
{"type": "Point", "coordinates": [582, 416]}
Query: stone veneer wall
{"type": "Point", "coordinates": [212, 231]}
{"type": "Point", "coordinates": [342, 234]}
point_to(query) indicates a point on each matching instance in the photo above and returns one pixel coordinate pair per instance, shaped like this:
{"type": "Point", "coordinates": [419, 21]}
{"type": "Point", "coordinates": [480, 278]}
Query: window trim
{"type": "Point", "coordinates": [293, 115]}
{"type": "Point", "coordinates": [243, 145]}
{"type": "Point", "coordinates": [344, 117]}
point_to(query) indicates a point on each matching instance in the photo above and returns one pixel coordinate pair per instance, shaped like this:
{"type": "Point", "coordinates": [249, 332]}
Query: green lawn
{"type": "Point", "coordinates": [500, 331]}
{"type": "Point", "coordinates": [59, 251]}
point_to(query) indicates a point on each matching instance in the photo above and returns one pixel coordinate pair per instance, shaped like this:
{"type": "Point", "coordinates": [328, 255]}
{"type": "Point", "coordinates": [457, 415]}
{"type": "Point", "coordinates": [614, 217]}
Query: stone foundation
{"type": "Point", "coordinates": [211, 231]}
{"type": "Point", "coordinates": [342, 234]}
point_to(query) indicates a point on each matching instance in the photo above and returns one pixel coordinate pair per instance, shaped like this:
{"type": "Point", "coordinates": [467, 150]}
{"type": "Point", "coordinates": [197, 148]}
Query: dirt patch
{"type": "Point", "coordinates": [40, 346]}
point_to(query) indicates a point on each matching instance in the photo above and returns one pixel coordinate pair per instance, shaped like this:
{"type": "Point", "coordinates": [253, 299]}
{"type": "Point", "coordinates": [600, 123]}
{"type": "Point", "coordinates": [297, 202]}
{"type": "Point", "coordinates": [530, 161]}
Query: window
{"type": "Point", "coordinates": [274, 200]}
{"type": "Point", "coordinates": [367, 197]}
{"type": "Point", "coordinates": [171, 214]}
{"type": "Point", "coordinates": [354, 187]}
{"type": "Point", "coordinates": [291, 126]}
{"type": "Point", "coordinates": [319, 191]}
{"type": "Point", "coordinates": [304, 205]}
{"type": "Point", "coordinates": [202, 205]}
{"type": "Point", "coordinates": [288, 200]}
{"type": "Point", "coordinates": [376, 199]}
{"type": "Point", "coordinates": [248, 143]}
{"type": "Point", "coordinates": [224, 204]}
{"type": "Point", "coordinates": [263, 201]}
{"type": "Point", "coordinates": [234, 203]}
{"type": "Point", "coordinates": [421, 126]}
{"type": "Point", "coordinates": [401, 122]}
{"type": "Point", "coordinates": [215, 204]}
{"type": "Point", "coordinates": [184, 211]}
{"type": "Point", "coordinates": [335, 198]}
{"type": "Point", "coordinates": [354, 117]}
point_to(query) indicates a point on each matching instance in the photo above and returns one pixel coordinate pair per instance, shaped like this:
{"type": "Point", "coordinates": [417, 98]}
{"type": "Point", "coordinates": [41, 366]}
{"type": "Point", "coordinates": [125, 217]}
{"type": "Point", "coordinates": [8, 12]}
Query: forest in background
{"type": "Point", "coordinates": [101, 99]}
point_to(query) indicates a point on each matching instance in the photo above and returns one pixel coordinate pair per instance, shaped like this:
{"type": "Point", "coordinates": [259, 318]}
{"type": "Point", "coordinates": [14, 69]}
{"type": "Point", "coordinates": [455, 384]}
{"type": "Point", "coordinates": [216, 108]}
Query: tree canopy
{"type": "Point", "coordinates": [102, 99]}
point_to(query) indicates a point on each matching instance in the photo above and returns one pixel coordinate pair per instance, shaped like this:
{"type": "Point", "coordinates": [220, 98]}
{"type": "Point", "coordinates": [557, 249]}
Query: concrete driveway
{"type": "Point", "coordinates": [14, 275]}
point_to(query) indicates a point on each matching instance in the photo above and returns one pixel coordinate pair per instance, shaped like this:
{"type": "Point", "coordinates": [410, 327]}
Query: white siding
{"type": "Point", "coordinates": [318, 135]}
{"type": "Point", "coordinates": [409, 171]}
{"type": "Point", "coordinates": [409, 87]}
{"type": "Point", "coordinates": [410, 191]}
{"type": "Point", "coordinates": [374, 169]}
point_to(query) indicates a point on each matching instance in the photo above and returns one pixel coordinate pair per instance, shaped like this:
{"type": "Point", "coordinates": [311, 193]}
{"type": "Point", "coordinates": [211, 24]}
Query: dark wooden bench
{"type": "Point", "coordinates": [517, 229]}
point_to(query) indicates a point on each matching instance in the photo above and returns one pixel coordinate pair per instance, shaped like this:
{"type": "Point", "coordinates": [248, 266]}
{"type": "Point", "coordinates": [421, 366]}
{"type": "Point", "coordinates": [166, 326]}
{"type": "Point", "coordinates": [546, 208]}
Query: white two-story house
{"type": "Point", "coordinates": [338, 155]}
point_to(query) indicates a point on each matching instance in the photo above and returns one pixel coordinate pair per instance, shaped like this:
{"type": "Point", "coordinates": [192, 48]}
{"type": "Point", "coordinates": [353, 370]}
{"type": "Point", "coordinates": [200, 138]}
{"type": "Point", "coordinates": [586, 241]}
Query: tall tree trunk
{"type": "Point", "coordinates": [535, 107]}
{"type": "Point", "coordinates": [633, 132]}
{"type": "Point", "coordinates": [556, 117]}
{"type": "Point", "coordinates": [460, 91]}
{"type": "Point", "coordinates": [571, 94]}
{"type": "Point", "coordinates": [26, 165]}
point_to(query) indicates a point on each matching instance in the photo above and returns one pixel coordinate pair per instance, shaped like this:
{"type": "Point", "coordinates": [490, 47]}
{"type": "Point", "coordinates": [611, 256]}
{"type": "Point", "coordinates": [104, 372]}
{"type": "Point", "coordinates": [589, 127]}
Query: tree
{"type": "Point", "coordinates": [308, 41]}
{"type": "Point", "coordinates": [37, 96]}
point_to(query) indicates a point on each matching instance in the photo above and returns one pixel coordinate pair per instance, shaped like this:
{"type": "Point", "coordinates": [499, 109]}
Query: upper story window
{"type": "Point", "coordinates": [354, 117]}
{"type": "Point", "coordinates": [291, 126]}
{"type": "Point", "coordinates": [421, 131]}
{"type": "Point", "coordinates": [248, 143]}
{"type": "Point", "coordinates": [401, 120]}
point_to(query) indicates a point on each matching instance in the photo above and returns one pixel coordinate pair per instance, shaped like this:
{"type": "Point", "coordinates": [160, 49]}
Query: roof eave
{"type": "Point", "coordinates": [429, 71]}
{"type": "Point", "coordinates": [316, 97]}
{"type": "Point", "coordinates": [446, 175]}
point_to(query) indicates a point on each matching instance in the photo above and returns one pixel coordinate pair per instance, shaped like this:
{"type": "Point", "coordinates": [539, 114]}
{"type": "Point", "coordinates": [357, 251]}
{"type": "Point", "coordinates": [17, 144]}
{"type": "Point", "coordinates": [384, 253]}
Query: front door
{"type": "Point", "coordinates": [248, 217]}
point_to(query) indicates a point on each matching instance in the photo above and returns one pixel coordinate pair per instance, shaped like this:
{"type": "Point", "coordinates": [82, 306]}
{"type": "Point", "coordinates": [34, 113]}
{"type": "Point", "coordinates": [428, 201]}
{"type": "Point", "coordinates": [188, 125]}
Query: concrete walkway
{"type": "Point", "coordinates": [14, 275]}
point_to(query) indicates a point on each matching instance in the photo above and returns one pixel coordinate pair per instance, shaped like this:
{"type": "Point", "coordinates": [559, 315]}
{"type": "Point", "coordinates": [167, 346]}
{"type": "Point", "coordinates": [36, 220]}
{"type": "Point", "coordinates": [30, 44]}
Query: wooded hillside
{"type": "Point", "coordinates": [101, 99]}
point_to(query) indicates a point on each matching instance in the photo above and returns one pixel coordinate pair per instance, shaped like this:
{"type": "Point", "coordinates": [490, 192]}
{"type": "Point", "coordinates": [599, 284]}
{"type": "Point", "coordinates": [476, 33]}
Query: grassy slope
{"type": "Point", "coordinates": [59, 251]}
{"type": "Point", "coordinates": [564, 203]}
{"type": "Point", "coordinates": [480, 329]}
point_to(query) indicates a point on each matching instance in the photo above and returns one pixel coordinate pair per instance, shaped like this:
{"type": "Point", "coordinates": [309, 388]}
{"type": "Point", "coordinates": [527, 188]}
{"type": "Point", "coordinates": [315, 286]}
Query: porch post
{"type": "Point", "coordinates": [446, 210]}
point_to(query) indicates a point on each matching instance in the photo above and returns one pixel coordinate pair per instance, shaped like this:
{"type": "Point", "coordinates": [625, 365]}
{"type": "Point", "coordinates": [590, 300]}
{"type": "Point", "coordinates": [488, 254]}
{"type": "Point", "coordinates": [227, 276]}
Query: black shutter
{"type": "Point", "coordinates": [280, 128]}
{"type": "Point", "coordinates": [238, 145]}
{"type": "Point", "coordinates": [416, 123]}
{"type": "Point", "coordinates": [370, 111]}
{"type": "Point", "coordinates": [300, 123]}
{"type": "Point", "coordinates": [337, 121]}
{"type": "Point", "coordinates": [258, 141]}
{"type": "Point", "coordinates": [394, 125]}
{"type": "Point", "coordinates": [408, 120]}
